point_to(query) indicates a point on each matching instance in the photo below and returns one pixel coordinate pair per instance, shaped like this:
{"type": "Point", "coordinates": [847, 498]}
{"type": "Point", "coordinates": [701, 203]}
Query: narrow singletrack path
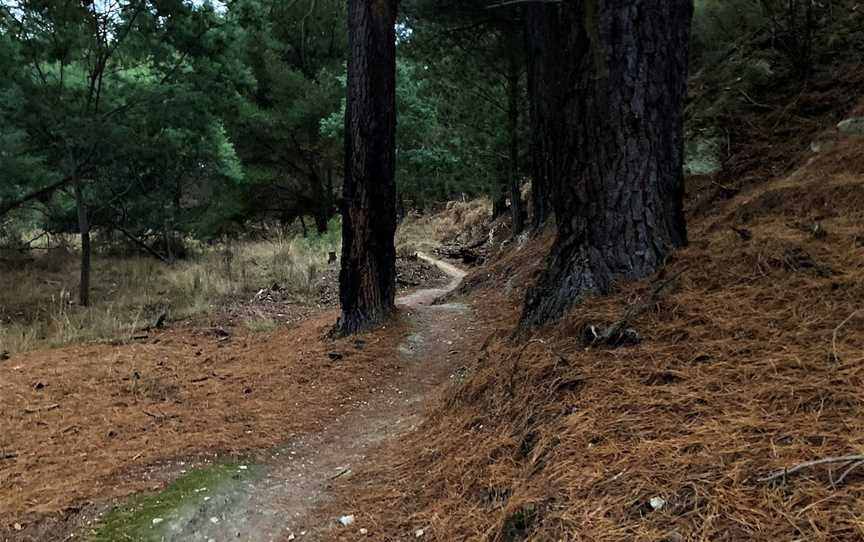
{"type": "Point", "coordinates": [277, 505]}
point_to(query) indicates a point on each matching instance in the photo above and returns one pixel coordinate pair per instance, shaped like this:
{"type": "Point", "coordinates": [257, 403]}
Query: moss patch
{"type": "Point", "coordinates": [147, 517]}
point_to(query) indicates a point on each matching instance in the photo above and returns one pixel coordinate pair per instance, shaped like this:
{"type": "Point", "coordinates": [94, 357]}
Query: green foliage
{"type": "Point", "coordinates": [128, 98]}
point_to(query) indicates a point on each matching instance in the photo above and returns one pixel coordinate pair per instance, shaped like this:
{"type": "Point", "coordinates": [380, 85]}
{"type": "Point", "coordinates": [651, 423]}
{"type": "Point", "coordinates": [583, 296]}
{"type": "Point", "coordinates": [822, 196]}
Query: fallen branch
{"type": "Point", "coordinates": [143, 246]}
{"type": "Point", "coordinates": [856, 460]}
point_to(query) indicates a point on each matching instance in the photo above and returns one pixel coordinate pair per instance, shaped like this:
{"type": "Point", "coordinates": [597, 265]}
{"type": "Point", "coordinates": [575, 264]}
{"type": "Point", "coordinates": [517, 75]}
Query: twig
{"type": "Point", "coordinates": [828, 460]}
{"type": "Point", "coordinates": [8, 455]}
{"type": "Point", "coordinates": [836, 332]}
{"type": "Point", "coordinates": [514, 2]}
{"type": "Point", "coordinates": [846, 473]}
{"type": "Point", "coordinates": [559, 355]}
{"type": "Point", "coordinates": [752, 101]}
{"type": "Point", "coordinates": [655, 296]}
{"type": "Point", "coordinates": [46, 408]}
{"type": "Point", "coordinates": [340, 474]}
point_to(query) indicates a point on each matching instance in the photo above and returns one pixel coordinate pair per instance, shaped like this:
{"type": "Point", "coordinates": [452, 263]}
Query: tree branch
{"type": "Point", "coordinates": [7, 206]}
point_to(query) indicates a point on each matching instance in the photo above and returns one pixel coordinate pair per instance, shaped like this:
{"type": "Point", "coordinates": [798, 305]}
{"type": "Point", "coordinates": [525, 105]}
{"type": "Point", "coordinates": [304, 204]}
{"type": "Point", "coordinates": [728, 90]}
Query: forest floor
{"type": "Point", "coordinates": [85, 426]}
{"type": "Point", "coordinates": [750, 362]}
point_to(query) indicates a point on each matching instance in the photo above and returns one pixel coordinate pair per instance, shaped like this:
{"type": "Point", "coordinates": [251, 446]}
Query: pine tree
{"type": "Point", "coordinates": [617, 182]}
{"type": "Point", "coordinates": [368, 278]}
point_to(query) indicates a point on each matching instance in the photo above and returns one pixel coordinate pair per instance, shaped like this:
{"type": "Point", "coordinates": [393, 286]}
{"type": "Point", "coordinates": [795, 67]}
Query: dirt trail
{"type": "Point", "coordinates": [279, 503]}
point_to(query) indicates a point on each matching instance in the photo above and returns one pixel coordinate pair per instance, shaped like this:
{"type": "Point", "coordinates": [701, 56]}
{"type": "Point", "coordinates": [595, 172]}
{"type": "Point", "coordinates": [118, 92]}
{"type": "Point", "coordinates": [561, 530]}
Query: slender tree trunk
{"type": "Point", "coordinates": [303, 225]}
{"type": "Point", "coordinates": [401, 210]}
{"type": "Point", "coordinates": [543, 48]}
{"type": "Point", "coordinates": [321, 219]}
{"type": "Point", "coordinates": [84, 229]}
{"type": "Point", "coordinates": [368, 277]}
{"type": "Point", "coordinates": [513, 92]}
{"type": "Point", "coordinates": [499, 199]}
{"type": "Point", "coordinates": [620, 206]}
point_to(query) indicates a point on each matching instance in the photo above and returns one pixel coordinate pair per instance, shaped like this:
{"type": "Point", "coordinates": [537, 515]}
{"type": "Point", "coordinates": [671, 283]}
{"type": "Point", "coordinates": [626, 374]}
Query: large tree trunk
{"type": "Point", "coordinates": [620, 205]}
{"type": "Point", "coordinates": [513, 94]}
{"type": "Point", "coordinates": [543, 48]}
{"type": "Point", "coordinates": [368, 278]}
{"type": "Point", "coordinates": [84, 229]}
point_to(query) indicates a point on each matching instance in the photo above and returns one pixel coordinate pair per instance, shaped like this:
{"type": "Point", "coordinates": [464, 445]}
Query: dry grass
{"type": "Point", "coordinates": [458, 219]}
{"type": "Point", "coordinates": [130, 293]}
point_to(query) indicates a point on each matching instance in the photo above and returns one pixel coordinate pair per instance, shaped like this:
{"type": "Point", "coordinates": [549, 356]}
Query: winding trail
{"type": "Point", "coordinates": [277, 505]}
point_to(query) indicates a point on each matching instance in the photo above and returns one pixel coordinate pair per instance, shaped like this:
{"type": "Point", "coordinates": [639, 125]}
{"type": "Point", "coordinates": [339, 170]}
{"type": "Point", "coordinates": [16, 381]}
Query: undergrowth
{"type": "Point", "coordinates": [131, 293]}
{"type": "Point", "coordinates": [459, 218]}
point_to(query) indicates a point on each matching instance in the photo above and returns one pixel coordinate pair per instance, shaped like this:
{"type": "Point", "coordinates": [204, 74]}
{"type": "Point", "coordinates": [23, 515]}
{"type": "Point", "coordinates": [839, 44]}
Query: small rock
{"type": "Point", "coordinates": [657, 503]}
{"type": "Point", "coordinates": [214, 520]}
{"type": "Point", "coordinates": [335, 356]}
{"type": "Point", "coordinates": [419, 533]}
{"type": "Point", "coordinates": [18, 527]}
{"type": "Point", "coordinates": [822, 145]}
{"type": "Point", "coordinates": [346, 520]}
{"type": "Point", "coordinates": [364, 532]}
{"type": "Point", "coordinates": [291, 537]}
{"type": "Point", "coordinates": [157, 521]}
{"type": "Point", "coordinates": [852, 126]}
{"type": "Point", "coordinates": [704, 152]}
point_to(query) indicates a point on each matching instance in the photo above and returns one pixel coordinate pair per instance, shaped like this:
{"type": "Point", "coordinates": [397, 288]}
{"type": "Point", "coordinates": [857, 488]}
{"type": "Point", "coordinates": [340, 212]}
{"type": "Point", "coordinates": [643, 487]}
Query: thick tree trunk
{"type": "Point", "coordinates": [620, 206]}
{"type": "Point", "coordinates": [84, 229]}
{"type": "Point", "coordinates": [367, 288]}
{"type": "Point", "coordinates": [544, 54]}
{"type": "Point", "coordinates": [513, 91]}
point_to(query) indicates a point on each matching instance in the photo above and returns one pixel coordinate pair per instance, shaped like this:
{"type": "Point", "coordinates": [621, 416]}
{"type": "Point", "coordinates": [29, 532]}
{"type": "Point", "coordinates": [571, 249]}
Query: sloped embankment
{"type": "Point", "coordinates": [752, 361]}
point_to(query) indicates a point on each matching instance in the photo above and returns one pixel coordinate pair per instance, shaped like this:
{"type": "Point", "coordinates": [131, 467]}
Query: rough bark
{"type": "Point", "coordinates": [543, 55]}
{"type": "Point", "coordinates": [513, 95]}
{"type": "Point", "coordinates": [619, 201]}
{"type": "Point", "coordinates": [368, 276]}
{"type": "Point", "coordinates": [499, 200]}
{"type": "Point", "coordinates": [84, 229]}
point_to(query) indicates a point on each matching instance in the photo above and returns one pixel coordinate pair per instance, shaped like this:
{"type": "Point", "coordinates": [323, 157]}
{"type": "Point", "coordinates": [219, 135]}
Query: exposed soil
{"type": "Point", "coordinates": [297, 476]}
{"type": "Point", "coordinates": [85, 425]}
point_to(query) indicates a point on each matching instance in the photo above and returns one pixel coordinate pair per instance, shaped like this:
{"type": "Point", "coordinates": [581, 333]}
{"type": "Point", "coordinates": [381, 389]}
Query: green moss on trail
{"type": "Point", "coordinates": [147, 517]}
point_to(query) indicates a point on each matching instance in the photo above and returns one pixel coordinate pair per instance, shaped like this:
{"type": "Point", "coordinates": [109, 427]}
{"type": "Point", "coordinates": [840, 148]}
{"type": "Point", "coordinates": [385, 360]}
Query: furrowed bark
{"type": "Point", "coordinates": [619, 200]}
{"type": "Point", "coordinates": [544, 57]}
{"type": "Point", "coordinates": [368, 277]}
